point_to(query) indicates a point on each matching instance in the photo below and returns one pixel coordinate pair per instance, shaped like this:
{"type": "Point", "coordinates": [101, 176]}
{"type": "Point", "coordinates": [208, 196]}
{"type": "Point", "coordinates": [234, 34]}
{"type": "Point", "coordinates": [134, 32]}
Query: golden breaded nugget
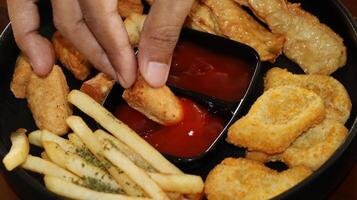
{"type": "Point", "coordinates": [246, 179]}
{"type": "Point", "coordinates": [158, 104]}
{"type": "Point", "coordinates": [277, 118]}
{"type": "Point", "coordinates": [98, 87]}
{"type": "Point", "coordinates": [47, 100]}
{"type": "Point", "coordinates": [20, 78]}
{"type": "Point", "coordinates": [127, 7]}
{"type": "Point", "coordinates": [133, 24]}
{"type": "Point", "coordinates": [337, 101]}
{"type": "Point", "coordinates": [72, 59]}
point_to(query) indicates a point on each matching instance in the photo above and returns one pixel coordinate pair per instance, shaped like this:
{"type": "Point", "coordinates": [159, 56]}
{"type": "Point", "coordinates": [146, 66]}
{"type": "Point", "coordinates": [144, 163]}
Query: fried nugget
{"type": "Point", "coordinates": [47, 100]}
{"type": "Point", "coordinates": [72, 59]}
{"type": "Point", "coordinates": [337, 101]}
{"type": "Point", "coordinates": [98, 87]}
{"type": "Point", "coordinates": [134, 24]}
{"type": "Point", "coordinates": [20, 78]}
{"type": "Point", "coordinates": [127, 7]}
{"type": "Point", "coordinates": [315, 47]}
{"type": "Point", "coordinates": [158, 104]}
{"type": "Point", "coordinates": [277, 118]}
{"type": "Point", "coordinates": [236, 24]}
{"type": "Point", "coordinates": [247, 179]}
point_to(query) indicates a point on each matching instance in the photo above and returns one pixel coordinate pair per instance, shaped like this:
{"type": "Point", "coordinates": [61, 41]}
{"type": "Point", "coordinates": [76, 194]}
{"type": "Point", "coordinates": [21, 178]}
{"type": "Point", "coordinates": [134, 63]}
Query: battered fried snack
{"type": "Point", "coordinates": [133, 24]}
{"type": "Point", "coordinates": [72, 59]}
{"type": "Point", "coordinates": [337, 101]}
{"type": "Point", "coordinates": [315, 47]}
{"type": "Point", "coordinates": [277, 118]}
{"type": "Point", "coordinates": [158, 104]}
{"type": "Point", "coordinates": [20, 78]}
{"type": "Point", "coordinates": [127, 7]}
{"type": "Point", "coordinates": [236, 24]}
{"type": "Point", "coordinates": [98, 87]}
{"type": "Point", "coordinates": [247, 179]}
{"type": "Point", "coordinates": [47, 100]}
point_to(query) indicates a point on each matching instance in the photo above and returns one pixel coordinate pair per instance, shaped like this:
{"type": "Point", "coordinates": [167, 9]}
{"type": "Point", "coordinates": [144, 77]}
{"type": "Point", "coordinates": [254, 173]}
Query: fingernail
{"type": "Point", "coordinates": [156, 73]}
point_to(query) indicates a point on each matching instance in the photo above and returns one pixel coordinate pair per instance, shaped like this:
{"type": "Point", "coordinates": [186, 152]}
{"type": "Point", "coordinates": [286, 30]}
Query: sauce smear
{"type": "Point", "coordinates": [208, 72]}
{"type": "Point", "coordinates": [189, 138]}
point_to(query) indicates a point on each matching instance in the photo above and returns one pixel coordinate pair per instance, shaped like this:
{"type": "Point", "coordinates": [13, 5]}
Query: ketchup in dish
{"type": "Point", "coordinates": [209, 72]}
{"type": "Point", "coordinates": [189, 138]}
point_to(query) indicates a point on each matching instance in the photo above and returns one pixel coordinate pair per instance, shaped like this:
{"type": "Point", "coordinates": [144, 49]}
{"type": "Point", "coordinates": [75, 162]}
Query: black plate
{"type": "Point", "coordinates": [14, 113]}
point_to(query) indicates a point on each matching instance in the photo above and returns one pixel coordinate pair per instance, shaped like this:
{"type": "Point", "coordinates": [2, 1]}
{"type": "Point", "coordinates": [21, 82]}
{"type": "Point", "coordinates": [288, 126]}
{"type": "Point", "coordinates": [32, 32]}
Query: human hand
{"type": "Point", "coordinates": [96, 29]}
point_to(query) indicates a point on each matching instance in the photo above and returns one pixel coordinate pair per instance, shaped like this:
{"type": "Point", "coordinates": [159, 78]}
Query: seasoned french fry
{"type": "Point", "coordinates": [73, 191]}
{"type": "Point", "coordinates": [45, 167]}
{"type": "Point", "coordinates": [35, 138]}
{"type": "Point", "coordinates": [122, 132]}
{"type": "Point", "coordinates": [135, 173]}
{"type": "Point", "coordinates": [63, 143]}
{"type": "Point", "coordinates": [45, 156]}
{"type": "Point", "coordinates": [56, 154]}
{"type": "Point", "coordinates": [19, 150]}
{"type": "Point", "coordinates": [74, 139]}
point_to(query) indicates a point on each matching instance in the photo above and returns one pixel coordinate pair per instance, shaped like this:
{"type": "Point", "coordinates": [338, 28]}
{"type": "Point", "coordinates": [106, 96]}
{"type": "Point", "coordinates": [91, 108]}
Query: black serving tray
{"type": "Point", "coordinates": [14, 112]}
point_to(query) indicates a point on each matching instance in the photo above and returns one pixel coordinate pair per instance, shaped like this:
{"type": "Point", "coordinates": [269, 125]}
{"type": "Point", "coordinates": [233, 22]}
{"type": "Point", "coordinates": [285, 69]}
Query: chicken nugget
{"type": "Point", "coordinates": [337, 101]}
{"type": "Point", "coordinates": [158, 104]}
{"type": "Point", "coordinates": [246, 179]}
{"type": "Point", "coordinates": [98, 87]}
{"type": "Point", "coordinates": [127, 7]}
{"type": "Point", "coordinates": [72, 59]}
{"type": "Point", "coordinates": [20, 78]}
{"type": "Point", "coordinates": [277, 118]}
{"type": "Point", "coordinates": [47, 100]}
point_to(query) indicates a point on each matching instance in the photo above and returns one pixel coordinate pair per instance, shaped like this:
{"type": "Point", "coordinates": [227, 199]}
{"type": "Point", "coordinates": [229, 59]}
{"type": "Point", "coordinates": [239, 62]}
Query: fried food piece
{"type": "Point", "coordinates": [277, 118]}
{"type": "Point", "coordinates": [337, 101]}
{"type": "Point", "coordinates": [134, 24]}
{"type": "Point", "coordinates": [127, 7]}
{"type": "Point", "coordinates": [246, 179]}
{"type": "Point", "coordinates": [98, 87]}
{"type": "Point", "coordinates": [236, 24]}
{"type": "Point", "coordinates": [158, 104]}
{"type": "Point", "coordinates": [72, 59]}
{"type": "Point", "coordinates": [315, 47]}
{"type": "Point", "coordinates": [20, 78]}
{"type": "Point", "coordinates": [46, 99]}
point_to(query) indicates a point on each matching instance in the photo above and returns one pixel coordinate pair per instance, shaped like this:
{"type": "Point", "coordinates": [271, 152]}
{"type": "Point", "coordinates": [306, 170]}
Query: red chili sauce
{"type": "Point", "coordinates": [208, 72]}
{"type": "Point", "coordinates": [189, 138]}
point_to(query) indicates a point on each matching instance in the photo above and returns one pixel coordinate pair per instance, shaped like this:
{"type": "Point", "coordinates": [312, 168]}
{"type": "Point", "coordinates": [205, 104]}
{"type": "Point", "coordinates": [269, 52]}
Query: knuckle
{"type": "Point", "coordinates": [164, 37]}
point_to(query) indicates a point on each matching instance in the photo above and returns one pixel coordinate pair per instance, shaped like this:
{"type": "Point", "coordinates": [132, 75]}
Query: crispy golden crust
{"type": "Point", "coordinates": [72, 59]}
{"type": "Point", "coordinates": [277, 118]}
{"type": "Point", "coordinates": [21, 76]}
{"type": "Point", "coordinates": [312, 45]}
{"type": "Point", "coordinates": [337, 101]}
{"type": "Point", "coordinates": [247, 179]}
{"type": "Point", "coordinates": [127, 7]}
{"type": "Point", "coordinates": [134, 24]}
{"type": "Point", "coordinates": [158, 104]}
{"type": "Point", "coordinates": [47, 101]}
{"type": "Point", "coordinates": [236, 24]}
{"type": "Point", "coordinates": [98, 87]}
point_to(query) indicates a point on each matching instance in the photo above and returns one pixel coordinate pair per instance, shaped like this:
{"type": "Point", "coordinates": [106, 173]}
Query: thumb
{"type": "Point", "coordinates": [159, 37]}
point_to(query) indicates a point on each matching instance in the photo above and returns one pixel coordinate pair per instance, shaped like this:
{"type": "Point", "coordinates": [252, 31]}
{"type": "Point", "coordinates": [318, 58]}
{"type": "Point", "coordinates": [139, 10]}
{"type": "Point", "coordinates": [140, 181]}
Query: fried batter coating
{"type": "Point", "coordinates": [134, 24]}
{"type": "Point", "coordinates": [72, 59]}
{"type": "Point", "coordinates": [158, 104]}
{"type": "Point", "coordinates": [98, 87]}
{"type": "Point", "coordinates": [236, 24]}
{"type": "Point", "coordinates": [337, 101]}
{"type": "Point", "coordinates": [315, 47]}
{"type": "Point", "coordinates": [127, 7]}
{"type": "Point", "coordinates": [277, 118]}
{"type": "Point", "coordinates": [20, 78]}
{"type": "Point", "coordinates": [246, 179]}
{"type": "Point", "coordinates": [47, 100]}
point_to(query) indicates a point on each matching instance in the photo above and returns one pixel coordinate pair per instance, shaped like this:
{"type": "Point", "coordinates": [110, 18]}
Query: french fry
{"type": "Point", "coordinates": [19, 150]}
{"type": "Point", "coordinates": [135, 173]}
{"type": "Point", "coordinates": [45, 156]}
{"type": "Point", "coordinates": [63, 143]}
{"type": "Point", "coordinates": [56, 154]}
{"type": "Point", "coordinates": [35, 138]}
{"type": "Point", "coordinates": [45, 167]}
{"type": "Point", "coordinates": [122, 132]}
{"type": "Point", "coordinates": [73, 191]}
{"type": "Point", "coordinates": [74, 139]}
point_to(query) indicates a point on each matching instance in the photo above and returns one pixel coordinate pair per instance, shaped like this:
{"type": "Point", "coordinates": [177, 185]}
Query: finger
{"type": "Point", "coordinates": [106, 24]}
{"type": "Point", "coordinates": [159, 37]}
{"type": "Point", "coordinates": [69, 21]}
{"type": "Point", "coordinates": [25, 22]}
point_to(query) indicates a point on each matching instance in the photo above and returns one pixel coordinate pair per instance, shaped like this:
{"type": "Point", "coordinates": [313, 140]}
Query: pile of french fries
{"type": "Point", "coordinates": [100, 165]}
